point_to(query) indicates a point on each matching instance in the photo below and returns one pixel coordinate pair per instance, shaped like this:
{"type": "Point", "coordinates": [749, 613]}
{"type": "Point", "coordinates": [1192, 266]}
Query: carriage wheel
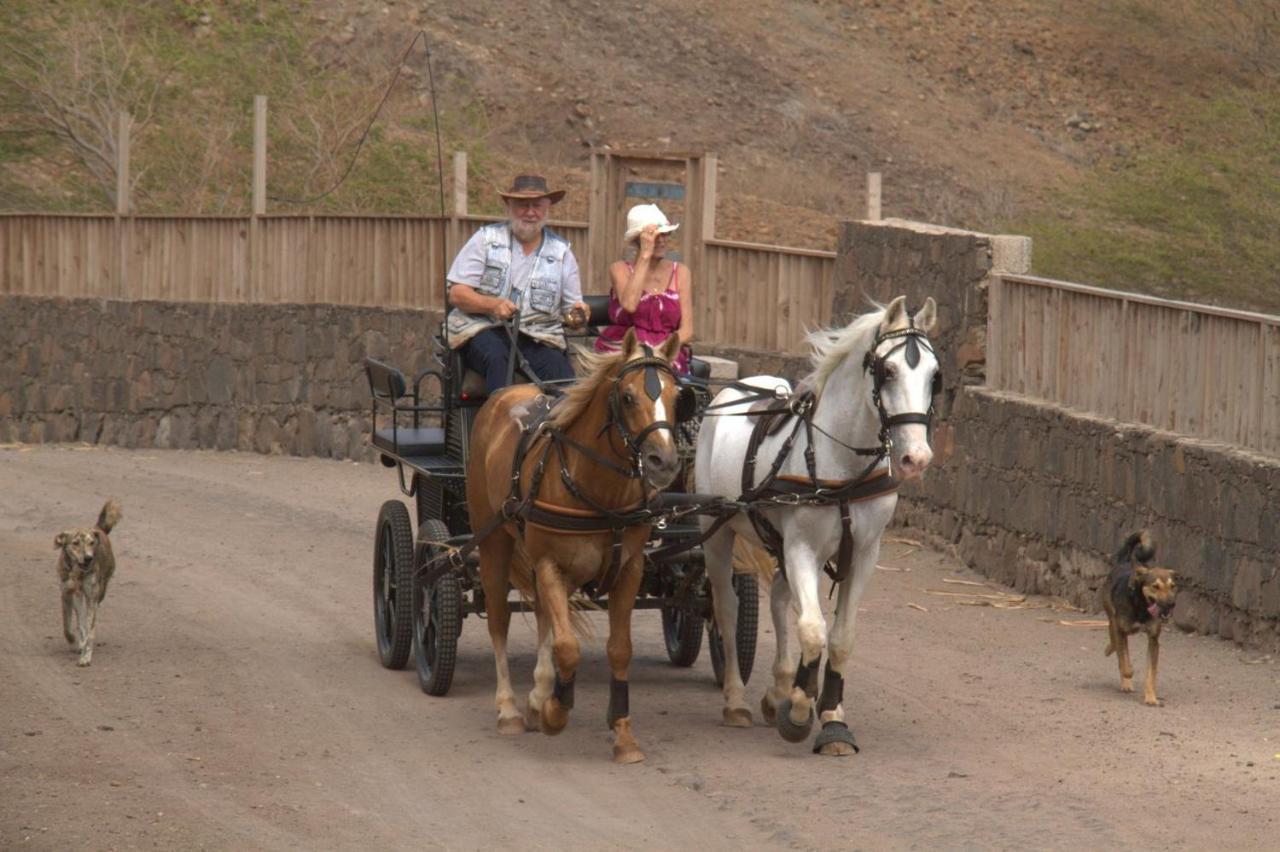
{"type": "Point", "coordinates": [393, 584]}
{"type": "Point", "coordinates": [748, 616]}
{"type": "Point", "coordinates": [682, 628]}
{"type": "Point", "coordinates": [437, 617]}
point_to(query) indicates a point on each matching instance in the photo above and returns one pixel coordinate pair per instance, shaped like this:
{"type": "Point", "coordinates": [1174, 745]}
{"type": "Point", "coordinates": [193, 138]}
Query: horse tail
{"type": "Point", "coordinates": [579, 604]}
{"type": "Point", "coordinates": [1138, 546]}
{"type": "Point", "coordinates": [752, 559]}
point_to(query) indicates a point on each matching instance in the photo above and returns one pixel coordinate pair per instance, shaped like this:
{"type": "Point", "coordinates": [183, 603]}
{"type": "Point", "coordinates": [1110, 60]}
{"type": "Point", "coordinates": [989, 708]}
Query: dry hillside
{"type": "Point", "coordinates": [992, 115]}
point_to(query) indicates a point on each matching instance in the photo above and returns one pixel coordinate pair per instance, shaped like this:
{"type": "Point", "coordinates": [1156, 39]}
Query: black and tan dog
{"type": "Point", "coordinates": [1137, 598]}
{"type": "Point", "coordinates": [85, 566]}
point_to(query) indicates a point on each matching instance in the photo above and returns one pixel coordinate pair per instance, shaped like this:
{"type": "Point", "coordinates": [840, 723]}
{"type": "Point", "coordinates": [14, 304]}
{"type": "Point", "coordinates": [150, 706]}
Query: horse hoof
{"type": "Point", "coordinates": [791, 732]}
{"type": "Point", "coordinates": [768, 711]}
{"type": "Point", "coordinates": [627, 754]}
{"type": "Point", "coordinates": [836, 740]}
{"type": "Point", "coordinates": [554, 717]}
{"type": "Point", "coordinates": [511, 725]}
{"type": "Point", "coordinates": [532, 719]}
{"type": "Point", "coordinates": [737, 717]}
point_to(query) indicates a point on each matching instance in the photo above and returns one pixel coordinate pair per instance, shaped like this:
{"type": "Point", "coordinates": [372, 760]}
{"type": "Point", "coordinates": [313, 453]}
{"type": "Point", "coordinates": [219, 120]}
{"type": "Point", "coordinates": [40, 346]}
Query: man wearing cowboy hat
{"type": "Point", "coordinates": [517, 266]}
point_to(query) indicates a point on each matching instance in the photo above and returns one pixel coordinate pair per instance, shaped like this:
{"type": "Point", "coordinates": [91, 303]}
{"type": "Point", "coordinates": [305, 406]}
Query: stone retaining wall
{"type": "Point", "coordinates": [266, 378]}
{"type": "Point", "coordinates": [1040, 497]}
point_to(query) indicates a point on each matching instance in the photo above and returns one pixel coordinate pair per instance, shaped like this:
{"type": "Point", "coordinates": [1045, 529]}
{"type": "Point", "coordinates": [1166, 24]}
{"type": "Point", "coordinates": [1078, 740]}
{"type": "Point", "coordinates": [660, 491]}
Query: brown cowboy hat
{"type": "Point", "coordinates": [531, 186]}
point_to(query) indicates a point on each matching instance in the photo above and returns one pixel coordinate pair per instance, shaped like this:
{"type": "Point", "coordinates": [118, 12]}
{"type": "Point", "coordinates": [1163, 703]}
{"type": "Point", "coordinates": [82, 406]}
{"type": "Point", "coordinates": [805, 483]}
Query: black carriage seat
{"type": "Point", "coordinates": [599, 306]}
{"type": "Point", "coordinates": [388, 386]}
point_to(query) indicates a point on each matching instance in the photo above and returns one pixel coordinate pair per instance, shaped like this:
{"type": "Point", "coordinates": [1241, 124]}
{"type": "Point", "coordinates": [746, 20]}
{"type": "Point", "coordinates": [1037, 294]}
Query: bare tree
{"type": "Point", "coordinates": [77, 89]}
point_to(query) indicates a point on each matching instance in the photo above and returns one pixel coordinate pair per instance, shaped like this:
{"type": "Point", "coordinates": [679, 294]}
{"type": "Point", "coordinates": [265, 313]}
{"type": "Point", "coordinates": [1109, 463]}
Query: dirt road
{"type": "Point", "coordinates": [236, 701]}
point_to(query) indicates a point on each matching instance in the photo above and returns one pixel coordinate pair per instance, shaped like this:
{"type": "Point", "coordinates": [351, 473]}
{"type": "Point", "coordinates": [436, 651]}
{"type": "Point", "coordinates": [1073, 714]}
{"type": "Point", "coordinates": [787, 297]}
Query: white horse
{"type": "Point", "coordinates": [866, 408]}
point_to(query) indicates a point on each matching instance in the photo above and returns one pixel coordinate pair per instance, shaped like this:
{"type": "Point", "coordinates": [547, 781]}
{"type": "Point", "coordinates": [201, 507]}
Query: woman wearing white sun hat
{"type": "Point", "coordinates": [651, 294]}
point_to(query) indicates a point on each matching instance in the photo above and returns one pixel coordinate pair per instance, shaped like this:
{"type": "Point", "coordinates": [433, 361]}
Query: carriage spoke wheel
{"type": "Point", "coordinates": [393, 584]}
{"type": "Point", "coordinates": [437, 616]}
{"type": "Point", "coordinates": [682, 628]}
{"type": "Point", "coordinates": [748, 616]}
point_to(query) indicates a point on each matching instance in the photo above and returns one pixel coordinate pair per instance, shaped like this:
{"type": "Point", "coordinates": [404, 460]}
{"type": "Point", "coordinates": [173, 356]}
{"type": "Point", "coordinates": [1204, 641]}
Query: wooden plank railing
{"type": "Point", "coordinates": [1195, 369]}
{"type": "Point", "coordinates": [748, 295]}
{"type": "Point", "coordinates": [764, 297]}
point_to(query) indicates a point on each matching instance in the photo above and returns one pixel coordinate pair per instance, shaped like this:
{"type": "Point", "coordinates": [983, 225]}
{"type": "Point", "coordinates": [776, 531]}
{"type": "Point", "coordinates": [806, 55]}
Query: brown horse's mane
{"type": "Point", "coordinates": [599, 369]}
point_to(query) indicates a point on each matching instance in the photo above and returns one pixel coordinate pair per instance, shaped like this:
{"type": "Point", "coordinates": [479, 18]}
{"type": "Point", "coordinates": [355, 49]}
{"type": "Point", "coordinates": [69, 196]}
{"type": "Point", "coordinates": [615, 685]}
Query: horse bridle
{"type": "Point", "coordinates": [633, 441]}
{"type": "Point", "coordinates": [911, 339]}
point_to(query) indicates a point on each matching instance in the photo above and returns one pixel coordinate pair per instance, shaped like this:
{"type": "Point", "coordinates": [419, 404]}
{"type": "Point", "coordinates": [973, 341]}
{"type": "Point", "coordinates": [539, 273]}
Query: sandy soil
{"type": "Point", "coordinates": [236, 701]}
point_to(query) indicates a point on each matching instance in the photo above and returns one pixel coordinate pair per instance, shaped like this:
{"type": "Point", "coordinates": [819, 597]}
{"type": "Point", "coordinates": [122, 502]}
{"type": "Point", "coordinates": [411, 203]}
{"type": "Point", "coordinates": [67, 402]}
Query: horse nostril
{"type": "Point", "coordinates": [655, 461]}
{"type": "Point", "coordinates": [908, 461]}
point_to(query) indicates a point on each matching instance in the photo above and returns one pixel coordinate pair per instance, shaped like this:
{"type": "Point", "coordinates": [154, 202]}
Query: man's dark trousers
{"type": "Point", "coordinates": [488, 352]}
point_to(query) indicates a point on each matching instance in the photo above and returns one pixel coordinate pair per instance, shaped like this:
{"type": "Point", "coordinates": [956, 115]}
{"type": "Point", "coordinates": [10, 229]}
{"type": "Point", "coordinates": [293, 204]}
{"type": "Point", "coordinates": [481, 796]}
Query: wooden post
{"type": "Point", "coordinates": [695, 211]}
{"type": "Point", "coordinates": [120, 290]}
{"type": "Point", "coordinates": [254, 284]}
{"type": "Point", "coordinates": [709, 167]}
{"type": "Point", "coordinates": [122, 164]}
{"type": "Point", "coordinates": [459, 183]}
{"type": "Point", "coordinates": [455, 234]}
{"type": "Point", "coordinates": [259, 155]}
{"type": "Point", "coordinates": [995, 378]}
{"type": "Point", "coordinates": [597, 219]}
{"type": "Point", "coordinates": [873, 196]}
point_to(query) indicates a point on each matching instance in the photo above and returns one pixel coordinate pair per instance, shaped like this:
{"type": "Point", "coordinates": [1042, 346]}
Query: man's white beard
{"type": "Point", "coordinates": [524, 231]}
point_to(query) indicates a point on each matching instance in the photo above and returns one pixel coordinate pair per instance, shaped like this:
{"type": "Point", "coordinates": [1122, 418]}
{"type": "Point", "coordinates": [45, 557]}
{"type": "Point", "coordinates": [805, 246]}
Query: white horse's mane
{"type": "Point", "coordinates": [829, 346]}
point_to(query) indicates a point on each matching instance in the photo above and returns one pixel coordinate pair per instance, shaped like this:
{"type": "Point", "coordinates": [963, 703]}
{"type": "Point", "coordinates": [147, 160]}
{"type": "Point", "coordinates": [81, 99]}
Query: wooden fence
{"type": "Point", "coordinates": [1194, 369]}
{"type": "Point", "coordinates": [395, 261]}
{"type": "Point", "coordinates": [747, 295]}
{"type": "Point", "coordinates": [762, 296]}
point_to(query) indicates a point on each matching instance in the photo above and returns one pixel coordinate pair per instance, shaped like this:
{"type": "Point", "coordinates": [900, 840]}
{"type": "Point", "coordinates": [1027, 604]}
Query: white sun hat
{"type": "Point", "coordinates": [643, 215]}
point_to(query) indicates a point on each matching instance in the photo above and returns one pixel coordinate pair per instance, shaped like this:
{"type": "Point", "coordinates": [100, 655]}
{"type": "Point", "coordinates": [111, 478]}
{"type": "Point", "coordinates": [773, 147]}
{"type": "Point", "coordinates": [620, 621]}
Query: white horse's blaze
{"type": "Point", "coordinates": [811, 535]}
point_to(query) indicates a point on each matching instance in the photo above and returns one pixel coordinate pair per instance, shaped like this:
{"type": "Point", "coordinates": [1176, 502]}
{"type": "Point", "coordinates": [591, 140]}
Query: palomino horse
{"type": "Point", "coordinates": [563, 503]}
{"type": "Point", "coordinates": [828, 491]}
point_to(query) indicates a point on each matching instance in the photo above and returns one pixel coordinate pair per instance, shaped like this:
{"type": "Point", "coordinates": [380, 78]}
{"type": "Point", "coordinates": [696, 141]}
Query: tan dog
{"type": "Point", "coordinates": [85, 566]}
{"type": "Point", "coordinates": [1137, 598]}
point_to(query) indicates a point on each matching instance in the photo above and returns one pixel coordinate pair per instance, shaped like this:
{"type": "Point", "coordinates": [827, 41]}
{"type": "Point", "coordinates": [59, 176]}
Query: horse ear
{"type": "Point", "coordinates": [927, 317]}
{"type": "Point", "coordinates": [629, 345]}
{"type": "Point", "coordinates": [670, 348]}
{"type": "Point", "coordinates": [895, 316]}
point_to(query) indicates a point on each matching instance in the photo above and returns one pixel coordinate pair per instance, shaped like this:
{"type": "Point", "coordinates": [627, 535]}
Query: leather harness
{"type": "Point", "coordinates": [526, 508]}
{"type": "Point", "coordinates": [871, 483]}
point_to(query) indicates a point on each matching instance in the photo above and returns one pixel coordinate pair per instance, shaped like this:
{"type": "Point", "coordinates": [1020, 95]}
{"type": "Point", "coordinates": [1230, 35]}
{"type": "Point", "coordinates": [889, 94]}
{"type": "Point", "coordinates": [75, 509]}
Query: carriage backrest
{"type": "Point", "coordinates": [599, 306]}
{"type": "Point", "coordinates": [385, 381]}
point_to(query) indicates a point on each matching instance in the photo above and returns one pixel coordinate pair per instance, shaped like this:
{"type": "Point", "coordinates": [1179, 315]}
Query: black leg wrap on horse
{"type": "Point", "coordinates": [619, 700]}
{"type": "Point", "coordinates": [807, 677]}
{"type": "Point", "coordinates": [563, 692]}
{"type": "Point", "coordinates": [834, 732]}
{"type": "Point", "coordinates": [789, 730]}
{"type": "Point", "coordinates": [832, 690]}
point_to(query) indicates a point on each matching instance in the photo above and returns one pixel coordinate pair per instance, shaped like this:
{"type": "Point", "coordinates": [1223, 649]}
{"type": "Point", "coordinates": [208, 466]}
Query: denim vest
{"type": "Point", "coordinates": [539, 303]}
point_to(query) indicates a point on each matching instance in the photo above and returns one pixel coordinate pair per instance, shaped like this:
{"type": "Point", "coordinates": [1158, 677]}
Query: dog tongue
{"type": "Point", "coordinates": [1153, 610]}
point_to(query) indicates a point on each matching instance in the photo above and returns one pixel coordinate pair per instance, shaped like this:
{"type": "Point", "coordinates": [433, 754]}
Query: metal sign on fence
{"type": "Point", "coordinates": [655, 189]}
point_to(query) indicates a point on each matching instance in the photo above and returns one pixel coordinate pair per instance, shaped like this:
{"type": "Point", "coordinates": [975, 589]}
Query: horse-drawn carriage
{"type": "Point", "coordinates": [419, 611]}
{"type": "Point", "coordinates": [806, 472]}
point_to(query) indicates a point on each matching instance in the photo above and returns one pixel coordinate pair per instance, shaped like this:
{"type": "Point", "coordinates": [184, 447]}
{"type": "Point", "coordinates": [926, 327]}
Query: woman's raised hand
{"type": "Point", "coordinates": [648, 236]}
